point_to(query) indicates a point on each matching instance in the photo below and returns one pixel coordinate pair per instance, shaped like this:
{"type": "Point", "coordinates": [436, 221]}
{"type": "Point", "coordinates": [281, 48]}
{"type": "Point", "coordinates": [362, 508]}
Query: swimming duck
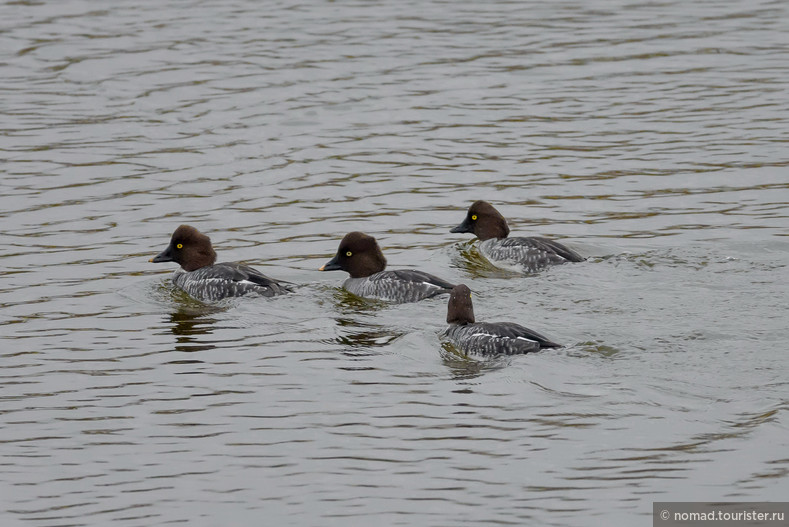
{"type": "Point", "coordinates": [526, 254]}
{"type": "Point", "coordinates": [360, 256]}
{"type": "Point", "coordinates": [206, 280]}
{"type": "Point", "coordinates": [488, 338]}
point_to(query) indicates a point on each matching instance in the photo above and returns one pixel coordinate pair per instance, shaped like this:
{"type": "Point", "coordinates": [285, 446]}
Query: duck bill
{"type": "Point", "coordinates": [164, 256]}
{"type": "Point", "coordinates": [331, 265]}
{"type": "Point", "coordinates": [464, 227]}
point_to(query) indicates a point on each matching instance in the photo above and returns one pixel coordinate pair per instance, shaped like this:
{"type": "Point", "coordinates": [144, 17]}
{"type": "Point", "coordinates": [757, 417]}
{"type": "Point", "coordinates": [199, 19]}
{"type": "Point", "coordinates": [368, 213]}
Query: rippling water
{"type": "Point", "coordinates": [650, 136]}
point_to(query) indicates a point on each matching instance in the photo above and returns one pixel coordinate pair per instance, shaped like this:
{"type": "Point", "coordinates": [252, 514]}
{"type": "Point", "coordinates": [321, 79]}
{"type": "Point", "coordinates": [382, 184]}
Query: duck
{"type": "Point", "coordinates": [360, 256]}
{"type": "Point", "coordinates": [526, 254]}
{"type": "Point", "coordinates": [487, 338]}
{"type": "Point", "coordinates": [204, 279]}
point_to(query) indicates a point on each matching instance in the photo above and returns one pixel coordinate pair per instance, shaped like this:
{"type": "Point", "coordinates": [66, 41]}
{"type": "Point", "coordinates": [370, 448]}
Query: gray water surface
{"type": "Point", "coordinates": [651, 137]}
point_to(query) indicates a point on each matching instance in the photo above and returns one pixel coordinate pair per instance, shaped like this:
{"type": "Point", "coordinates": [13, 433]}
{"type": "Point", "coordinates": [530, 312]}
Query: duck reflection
{"type": "Point", "coordinates": [464, 367]}
{"type": "Point", "coordinates": [355, 332]}
{"type": "Point", "coordinates": [362, 335]}
{"type": "Point", "coordinates": [190, 324]}
{"type": "Point", "coordinates": [468, 258]}
{"type": "Point", "coordinates": [347, 303]}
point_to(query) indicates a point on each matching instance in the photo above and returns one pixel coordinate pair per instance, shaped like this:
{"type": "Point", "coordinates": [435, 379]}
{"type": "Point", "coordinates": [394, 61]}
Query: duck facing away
{"type": "Point", "coordinates": [206, 280]}
{"type": "Point", "coordinates": [360, 256]}
{"type": "Point", "coordinates": [527, 254]}
{"type": "Point", "coordinates": [488, 338]}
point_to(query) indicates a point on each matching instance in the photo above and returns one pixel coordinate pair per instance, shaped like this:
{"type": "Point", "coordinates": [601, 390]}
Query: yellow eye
{"type": "Point", "coordinates": [349, 253]}
{"type": "Point", "coordinates": [474, 217]}
{"type": "Point", "coordinates": [180, 245]}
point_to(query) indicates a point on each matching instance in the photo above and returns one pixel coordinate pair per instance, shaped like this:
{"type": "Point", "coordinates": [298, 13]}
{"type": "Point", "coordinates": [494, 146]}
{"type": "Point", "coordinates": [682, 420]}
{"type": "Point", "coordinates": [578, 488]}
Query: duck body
{"type": "Point", "coordinates": [524, 254]}
{"type": "Point", "coordinates": [224, 280]}
{"type": "Point", "coordinates": [400, 286]}
{"type": "Point", "coordinates": [496, 338]}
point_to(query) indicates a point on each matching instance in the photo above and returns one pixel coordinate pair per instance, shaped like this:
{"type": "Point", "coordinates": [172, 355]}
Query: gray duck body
{"type": "Point", "coordinates": [496, 338]}
{"type": "Point", "coordinates": [398, 286]}
{"type": "Point", "coordinates": [530, 254]}
{"type": "Point", "coordinates": [223, 280]}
